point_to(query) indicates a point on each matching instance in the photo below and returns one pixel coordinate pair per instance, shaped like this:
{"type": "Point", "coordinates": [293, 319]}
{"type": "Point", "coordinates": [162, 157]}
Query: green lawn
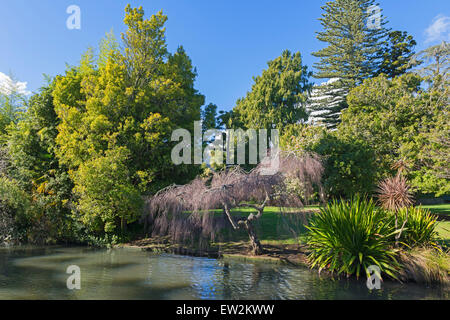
{"type": "Point", "coordinates": [443, 209]}
{"type": "Point", "coordinates": [443, 227]}
{"type": "Point", "coordinates": [288, 227]}
{"type": "Point", "coordinates": [275, 227]}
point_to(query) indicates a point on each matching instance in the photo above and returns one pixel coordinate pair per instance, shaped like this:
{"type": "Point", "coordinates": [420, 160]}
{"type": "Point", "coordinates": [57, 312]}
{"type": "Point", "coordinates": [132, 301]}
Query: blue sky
{"type": "Point", "coordinates": [228, 41]}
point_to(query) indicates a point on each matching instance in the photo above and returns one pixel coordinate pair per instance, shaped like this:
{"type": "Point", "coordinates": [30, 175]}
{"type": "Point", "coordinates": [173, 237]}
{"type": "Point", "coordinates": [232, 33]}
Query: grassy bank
{"type": "Point", "coordinates": [287, 228]}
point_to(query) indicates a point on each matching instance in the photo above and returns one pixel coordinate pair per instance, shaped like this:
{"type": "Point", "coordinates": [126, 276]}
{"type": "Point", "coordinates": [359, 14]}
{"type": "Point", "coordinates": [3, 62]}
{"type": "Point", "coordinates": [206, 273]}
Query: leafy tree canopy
{"type": "Point", "coordinates": [277, 97]}
{"type": "Point", "coordinates": [398, 119]}
{"type": "Point", "coordinates": [116, 117]}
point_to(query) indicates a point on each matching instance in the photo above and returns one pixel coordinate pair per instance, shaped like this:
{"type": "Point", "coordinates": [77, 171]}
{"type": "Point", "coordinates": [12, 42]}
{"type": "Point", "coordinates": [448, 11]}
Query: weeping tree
{"type": "Point", "coordinates": [190, 211]}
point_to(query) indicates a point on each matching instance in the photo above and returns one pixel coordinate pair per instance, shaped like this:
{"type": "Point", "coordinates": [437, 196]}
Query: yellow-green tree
{"type": "Point", "coordinates": [117, 113]}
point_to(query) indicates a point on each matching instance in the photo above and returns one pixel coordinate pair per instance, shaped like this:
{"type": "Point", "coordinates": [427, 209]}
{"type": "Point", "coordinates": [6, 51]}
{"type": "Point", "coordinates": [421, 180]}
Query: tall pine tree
{"type": "Point", "coordinates": [355, 33]}
{"type": "Point", "coordinates": [209, 117]}
{"type": "Point", "coordinates": [397, 54]}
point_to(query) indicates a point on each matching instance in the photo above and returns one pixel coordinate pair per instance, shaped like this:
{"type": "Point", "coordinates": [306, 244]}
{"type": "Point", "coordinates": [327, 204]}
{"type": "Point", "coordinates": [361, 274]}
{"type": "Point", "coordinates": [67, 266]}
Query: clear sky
{"type": "Point", "coordinates": [228, 41]}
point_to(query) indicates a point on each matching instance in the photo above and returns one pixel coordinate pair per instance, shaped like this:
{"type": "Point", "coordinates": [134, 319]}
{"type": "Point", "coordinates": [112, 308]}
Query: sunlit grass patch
{"type": "Point", "coordinates": [442, 209]}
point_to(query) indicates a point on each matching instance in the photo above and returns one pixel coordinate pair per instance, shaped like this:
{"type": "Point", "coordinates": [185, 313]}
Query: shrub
{"type": "Point", "coordinates": [348, 237]}
{"type": "Point", "coordinates": [349, 166]}
{"type": "Point", "coordinates": [419, 228]}
{"type": "Point", "coordinates": [14, 204]}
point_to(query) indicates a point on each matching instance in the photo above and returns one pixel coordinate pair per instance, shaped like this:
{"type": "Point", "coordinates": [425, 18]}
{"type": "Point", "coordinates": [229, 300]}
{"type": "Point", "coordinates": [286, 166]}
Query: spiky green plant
{"type": "Point", "coordinates": [349, 236]}
{"type": "Point", "coordinates": [419, 228]}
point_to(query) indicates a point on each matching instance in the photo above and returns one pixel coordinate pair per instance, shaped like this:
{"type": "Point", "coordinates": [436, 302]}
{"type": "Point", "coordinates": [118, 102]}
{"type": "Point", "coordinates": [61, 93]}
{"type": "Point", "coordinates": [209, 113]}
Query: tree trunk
{"type": "Point", "coordinates": [256, 246]}
{"type": "Point", "coordinates": [123, 224]}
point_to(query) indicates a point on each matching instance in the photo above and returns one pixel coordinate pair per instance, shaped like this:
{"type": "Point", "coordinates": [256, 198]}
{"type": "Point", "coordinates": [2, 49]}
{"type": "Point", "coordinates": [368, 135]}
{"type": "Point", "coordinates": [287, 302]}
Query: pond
{"type": "Point", "coordinates": [40, 273]}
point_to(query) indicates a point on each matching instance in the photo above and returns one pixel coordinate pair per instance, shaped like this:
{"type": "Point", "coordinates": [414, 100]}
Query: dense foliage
{"type": "Point", "coordinates": [14, 205]}
{"type": "Point", "coordinates": [400, 120]}
{"type": "Point", "coordinates": [349, 166]}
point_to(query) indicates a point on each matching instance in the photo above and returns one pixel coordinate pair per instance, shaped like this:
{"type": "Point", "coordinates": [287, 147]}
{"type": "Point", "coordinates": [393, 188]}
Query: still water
{"type": "Point", "coordinates": [40, 273]}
